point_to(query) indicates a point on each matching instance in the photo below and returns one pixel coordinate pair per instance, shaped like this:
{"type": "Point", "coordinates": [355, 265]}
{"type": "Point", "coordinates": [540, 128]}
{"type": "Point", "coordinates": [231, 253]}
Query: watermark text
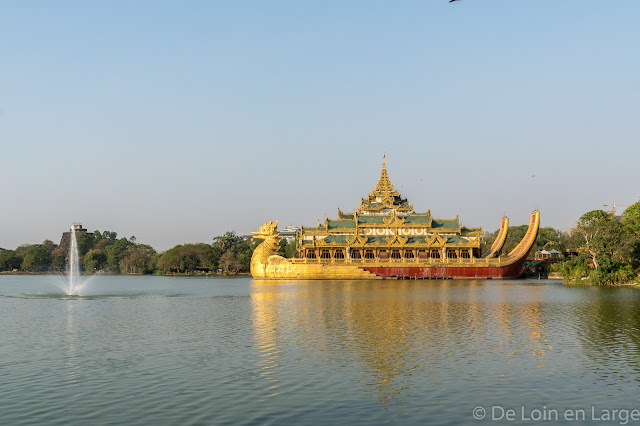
{"type": "Point", "coordinates": [621, 416]}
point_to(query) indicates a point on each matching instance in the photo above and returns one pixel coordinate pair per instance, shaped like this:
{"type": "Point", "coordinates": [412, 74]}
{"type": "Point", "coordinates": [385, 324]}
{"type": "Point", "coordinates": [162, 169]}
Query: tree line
{"type": "Point", "coordinates": [104, 252]}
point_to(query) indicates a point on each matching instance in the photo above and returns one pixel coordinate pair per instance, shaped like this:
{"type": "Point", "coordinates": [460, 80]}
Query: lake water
{"type": "Point", "coordinates": [162, 350]}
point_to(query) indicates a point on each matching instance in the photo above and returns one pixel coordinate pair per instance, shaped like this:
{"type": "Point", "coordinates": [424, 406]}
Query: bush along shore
{"type": "Point", "coordinates": [603, 249]}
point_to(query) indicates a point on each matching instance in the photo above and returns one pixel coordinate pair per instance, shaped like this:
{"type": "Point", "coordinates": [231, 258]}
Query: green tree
{"type": "Point", "coordinates": [94, 260]}
{"type": "Point", "coordinates": [605, 243]}
{"type": "Point", "coordinates": [49, 245]}
{"type": "Point", "coordinates": [213, 258]}
{"type": "Point", "coordinates": [22, 250]}
{"type": "Point", "coordinates": [228, 241]}
{"type": "Point", "coordinates": [58, 261]}
{"type": "Point", "coordinates": [243, 253]}
{"type": "Point", "coordinates": [234, 248]}
{"type": "Point", "coordinates": [9, 260]}
{"type": "Point", "coordinates": [287, 249]}
{"type": "Point", "coordinates": [632, 218]}
{"type": "Point", "coordinates": [37, 258]}
{"type": "Point", "coordinates": [169, 261]}
{"type": "Point", "coordinates": [186, 258]}
{"type": "Point", "coordinates": [114, 251]}
{"type": "Point", "coordinates": [230, 263]}
{"type": "Point", "coordinates": [574, 269]}
{"type": "Point", "coordinates": [593, 227]}
{"type": "Point", "coordinates": [137, 259]}
{"type": "Point", "coordinates": [108, 235]}
{"type": "Point", "coordinates": [632, 226]}
{"type": "Point", "coordinates": [551, 239]}
{"type": "Point", "coordinates": [102, 244]}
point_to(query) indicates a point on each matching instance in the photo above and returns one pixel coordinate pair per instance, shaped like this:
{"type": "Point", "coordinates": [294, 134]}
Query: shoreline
{"type": "Point", "coordinates": [182, 274]}
{"type": "Point", "coordinates": [552, 276]}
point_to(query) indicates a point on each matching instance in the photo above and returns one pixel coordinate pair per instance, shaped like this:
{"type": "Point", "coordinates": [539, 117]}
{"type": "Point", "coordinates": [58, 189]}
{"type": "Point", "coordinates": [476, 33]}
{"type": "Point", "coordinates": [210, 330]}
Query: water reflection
{"type": "Point", "coordinates": [403, 337]}
{"type": "Point", "coordinates": [610, 335]}
{"type": "Point", "coordinates": [241, 351]}
{"type": "Point", "coordinates": [267, 339]}
{"type": "Point", "coordinates": [70, 350]}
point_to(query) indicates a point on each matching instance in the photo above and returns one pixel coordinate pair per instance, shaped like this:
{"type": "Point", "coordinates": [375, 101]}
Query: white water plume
{"type": "Point", "coordinates": [74, 283]}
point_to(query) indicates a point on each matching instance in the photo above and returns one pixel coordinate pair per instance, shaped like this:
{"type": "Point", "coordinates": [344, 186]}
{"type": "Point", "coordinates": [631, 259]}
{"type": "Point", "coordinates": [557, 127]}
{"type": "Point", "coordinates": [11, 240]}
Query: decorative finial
{"type": "Point", "coordinates": [384, 161]}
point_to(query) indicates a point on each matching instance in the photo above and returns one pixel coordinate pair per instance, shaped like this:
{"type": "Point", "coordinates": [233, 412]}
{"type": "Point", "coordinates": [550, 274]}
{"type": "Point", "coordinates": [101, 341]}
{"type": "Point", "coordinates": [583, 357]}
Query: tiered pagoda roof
{"type": "Point", "coordinates": [384, 198]}
{"type": "Point", "coordinates": [385, 207]}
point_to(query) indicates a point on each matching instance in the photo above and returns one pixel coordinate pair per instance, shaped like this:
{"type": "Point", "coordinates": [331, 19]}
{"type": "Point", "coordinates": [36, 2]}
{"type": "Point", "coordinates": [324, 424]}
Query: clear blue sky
{"type": "Point", "coordinates": [177, 121]}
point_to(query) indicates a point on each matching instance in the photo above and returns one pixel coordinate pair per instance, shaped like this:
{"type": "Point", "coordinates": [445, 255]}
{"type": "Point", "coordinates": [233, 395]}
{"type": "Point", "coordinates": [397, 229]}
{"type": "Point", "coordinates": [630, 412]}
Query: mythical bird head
{"type": "Point", "coordinates": [267, 230]}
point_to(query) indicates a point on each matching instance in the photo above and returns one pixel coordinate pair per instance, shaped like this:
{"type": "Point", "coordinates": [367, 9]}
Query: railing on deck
{"type": "Point", "coordinates": [396, 262]}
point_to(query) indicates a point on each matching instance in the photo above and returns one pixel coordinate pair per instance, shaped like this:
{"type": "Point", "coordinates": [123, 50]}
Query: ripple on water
{"type": "Point", "coordinates": [365, 352]}
{"type": "Point", "coordinates": [86, 297]}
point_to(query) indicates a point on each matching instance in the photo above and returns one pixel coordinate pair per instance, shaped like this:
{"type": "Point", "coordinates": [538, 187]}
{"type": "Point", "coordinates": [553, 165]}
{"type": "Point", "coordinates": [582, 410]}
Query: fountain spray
{"type": "Point", "coordinates": [74, 265]}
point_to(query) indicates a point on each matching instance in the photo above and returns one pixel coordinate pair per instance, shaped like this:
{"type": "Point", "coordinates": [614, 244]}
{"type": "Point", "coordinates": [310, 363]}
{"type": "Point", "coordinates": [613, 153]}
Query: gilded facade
{"type": "Point", "coordinates": [385, 226]}
{"type": "Point", "coordinates": [385, 238]}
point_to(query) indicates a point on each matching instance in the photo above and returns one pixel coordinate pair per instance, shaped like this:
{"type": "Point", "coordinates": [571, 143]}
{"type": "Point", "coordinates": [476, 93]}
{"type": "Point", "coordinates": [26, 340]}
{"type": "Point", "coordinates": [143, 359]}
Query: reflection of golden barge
{"type": "Point", "coordinates": [384, 238]}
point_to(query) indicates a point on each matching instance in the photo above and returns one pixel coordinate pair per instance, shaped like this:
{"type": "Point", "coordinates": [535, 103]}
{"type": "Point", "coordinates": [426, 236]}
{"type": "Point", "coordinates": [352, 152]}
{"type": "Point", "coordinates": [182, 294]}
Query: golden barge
{"type": "Point", "coordinates": [385, 238]}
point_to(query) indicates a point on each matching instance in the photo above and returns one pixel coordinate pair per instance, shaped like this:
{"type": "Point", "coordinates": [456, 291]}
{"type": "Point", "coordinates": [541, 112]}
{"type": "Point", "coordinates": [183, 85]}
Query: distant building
{"type": "Point", "coordinates": [548, 255]}
{"type": "Point", "coordinates": [66, 236]}
{"type": "Point", "coordinates": [289, 233]}
{"type": "Point", "coordinates": [78, 228]}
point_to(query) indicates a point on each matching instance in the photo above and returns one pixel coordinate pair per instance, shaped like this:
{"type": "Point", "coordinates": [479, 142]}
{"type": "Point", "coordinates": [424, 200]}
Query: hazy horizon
{"type": "Point", "coordinates": [176, 122]}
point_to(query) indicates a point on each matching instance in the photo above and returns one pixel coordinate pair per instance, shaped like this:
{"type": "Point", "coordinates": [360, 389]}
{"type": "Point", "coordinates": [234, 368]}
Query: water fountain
{"type": "Point", "coordinates": [75, 282]}
{"type": "Point", "coordinates": [74, 266]}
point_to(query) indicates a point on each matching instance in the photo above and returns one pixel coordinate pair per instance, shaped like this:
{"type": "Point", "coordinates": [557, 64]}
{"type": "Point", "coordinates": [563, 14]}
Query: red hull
{"type": "Point", "coordinates": [409, 272]}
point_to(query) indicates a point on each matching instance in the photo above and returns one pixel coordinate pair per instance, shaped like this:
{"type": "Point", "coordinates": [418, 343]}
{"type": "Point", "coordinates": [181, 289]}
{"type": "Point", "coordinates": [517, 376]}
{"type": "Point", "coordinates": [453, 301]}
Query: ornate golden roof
{"type": "Point", "coordinates": [384, 196]}
{"type": "Point", "coordinates": [384, 185]}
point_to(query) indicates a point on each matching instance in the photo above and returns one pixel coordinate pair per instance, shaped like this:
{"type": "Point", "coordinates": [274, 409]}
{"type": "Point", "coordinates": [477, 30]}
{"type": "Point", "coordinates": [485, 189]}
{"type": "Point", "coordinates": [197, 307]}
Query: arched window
{"type": "Point", "coordinates": [325, 254]}
{"type": "Point", "coordinates": [465, 254]}
{"type": "Point", "coordinates": [451, 254]}
{"type": "Point", "coordinates": [395, 254]}
{"type": "Point", "coordinates": [311, 254]}
{"type": "Point", "coordinates": [355, 254]}
{"type": "Point", "coordinates": [435, 254]}
{"type": "Point", "coordinates": [368, 254]}
{"type": "Point", "coordinates": [339, 254]}
{"type": "Point", "coordinates": [408, 254]}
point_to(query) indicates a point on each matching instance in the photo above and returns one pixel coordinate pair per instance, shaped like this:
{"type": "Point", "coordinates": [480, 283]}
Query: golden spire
{"type": "Point", "coordinates": [384, 195]}
{"type": "Point", "coordinates": [384, 185]}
